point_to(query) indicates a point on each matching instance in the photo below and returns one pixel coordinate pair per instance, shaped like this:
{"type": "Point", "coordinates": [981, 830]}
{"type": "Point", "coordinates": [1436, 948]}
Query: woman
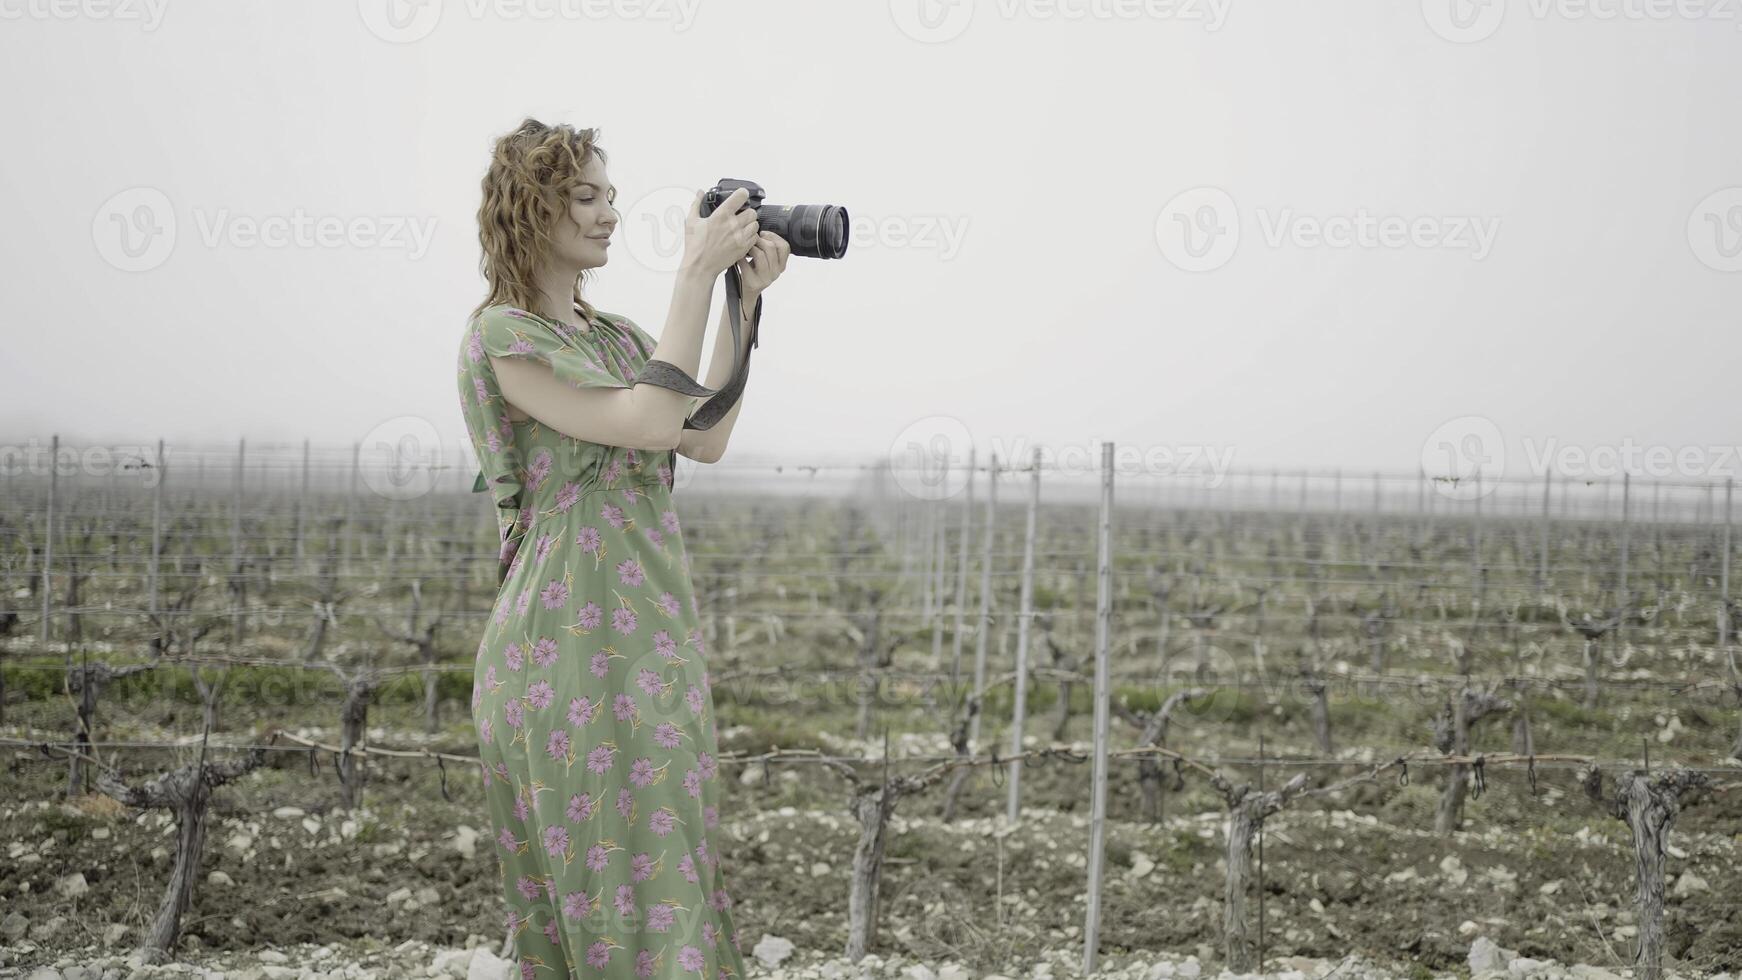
{"type": "Point", "coordinates": [591, 695]}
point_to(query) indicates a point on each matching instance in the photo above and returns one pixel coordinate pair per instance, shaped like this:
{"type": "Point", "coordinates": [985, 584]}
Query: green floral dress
{"type": "Point", "coordinates": [591, 696]}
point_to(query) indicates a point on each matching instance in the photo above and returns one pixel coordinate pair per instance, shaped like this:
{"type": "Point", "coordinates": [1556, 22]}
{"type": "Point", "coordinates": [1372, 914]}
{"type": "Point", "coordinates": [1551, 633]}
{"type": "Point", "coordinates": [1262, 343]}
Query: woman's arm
{"type": "Point", "coordinates": [641, 416]}
{"type": "Point", "coordinates": [708, 445]}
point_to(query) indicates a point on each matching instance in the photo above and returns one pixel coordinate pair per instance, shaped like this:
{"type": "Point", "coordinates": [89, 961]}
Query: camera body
{"type": "Point", "coordinates": [816, 231]}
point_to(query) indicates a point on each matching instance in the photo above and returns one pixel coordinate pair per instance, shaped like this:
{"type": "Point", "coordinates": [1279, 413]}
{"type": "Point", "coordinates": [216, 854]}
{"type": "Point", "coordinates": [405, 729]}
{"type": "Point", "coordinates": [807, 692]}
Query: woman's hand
{"type": "Point", "coordinates": [764, 264]}
{"type": "Point", "coordinates": [712, 244]}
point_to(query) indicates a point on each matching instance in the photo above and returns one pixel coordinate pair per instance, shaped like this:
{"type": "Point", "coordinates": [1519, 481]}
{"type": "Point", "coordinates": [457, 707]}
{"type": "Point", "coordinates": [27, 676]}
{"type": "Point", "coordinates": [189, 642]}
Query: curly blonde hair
{"type": "Point", "coordinates": [526, 192]}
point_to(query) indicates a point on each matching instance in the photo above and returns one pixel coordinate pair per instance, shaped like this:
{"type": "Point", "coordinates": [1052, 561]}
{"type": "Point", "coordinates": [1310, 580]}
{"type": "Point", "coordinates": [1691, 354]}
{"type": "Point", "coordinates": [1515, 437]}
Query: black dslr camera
{"type": "Point", "coordinates": [817, 231]}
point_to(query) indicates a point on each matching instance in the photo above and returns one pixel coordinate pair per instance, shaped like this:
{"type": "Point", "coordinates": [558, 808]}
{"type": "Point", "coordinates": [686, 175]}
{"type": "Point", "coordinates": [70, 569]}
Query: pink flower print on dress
{"type": "Point", "coordinates": [598, 857]}
{"type": "Point", "coordinates": [629, 572]}
{"type": "Point", "coordinates": [588, 538]}
{"type": "Point", "coordinates": [710, 934]}
{"type": "Point", "coordinates": [721, 901]}
{"type": "Point", "coordinates": [475, 346]}
{"type": "Point", "coordinates": [661, 821]}
{"type": "Point", "coordinates": [623, 707]}
{"type": "Point", "coordinates": [667, 735]}
{"type": "Point", "coordinates": [493, 441]}
{"type": "Point", "coordinates": [668, 520]}
{"type": "Point", "coordinates": [641, 867]}
{"type": "Point", "coordinates": [626, 804]}
{"type": "Point", "coordinates": [660, 917]}
{"type": "Point", "coordinates": [601, 664]}
{"type": "Point", "coordinates": [690, 958]}
{"type": "Point", "coordinates": [557, 746]}
{"type": "Point", "coordinates": [539, 469]}
{"type": "Point", "coordinates": [668, 604]}
{"type": "Point", "coordinates": [600, 759]}
{"type": "Point", "coordinates": [599, 954]}
{"type": "Point", "coordinates": [654, 536]}
{"type": "Point", "coordinates": [694, 699]}
{"type": "Point", "coordinates": [665, 475]}
{"type": "Point", "coordinates": [612, 472]}
{"type": "Point", "coordinates": [506, 839]}
{"type": "Point", "coordinates": [524, 602]}
{"type": "Point", "coordinates": [706, 765]}
{"type": "Point", "coordinates": [687, 867]}
{"type": "Point", "coordinates": [522, 809]}
{"type": "Point", "coordinates": [550, 933]}
{"type": "Point", "coordinates": [528, 888]}
{"type": "Point", "coordinates": [664, 645]}
{"type": "Point", "coordinates": [486, 732]}
{"type": "Point", "coordinates": [481, 391]}
{"type": "Point", "coordinates": [582, 806]}
{"type": "Point", "coordinates": [696, 641]}
{"type": "Point", "coordinates": [545, 651]}
{"type": "Point", "coordinates": [649, 682]}
{"type": "Point", "coordinates": [710, 816]}
{"type": "Point", "coordinates": [581, 710]}
{"type": "Point", "coordinates": [692, 781]}
{"type": "Point", "coordinates": [643, 772]}
{"type": "Point", "coordinates": [623, 620]}
{"type": "Point", "coordinates": [625, 901]}
{"type": "Point", "coordinates": [568, 496]}
{"type": "Point", "coordinates": [513, 712]}
{"type": "Point", "coordinates": [513, 656]}
{"type": "Point", "coordinates": [490, 680]}
{"type": "Point", "coordinates": [539, 695]}
{"type": "Point", "coordinates": [590, 616]}
{"type": "Point", "coordinates": [576, 905]}
{"type": "Point", "coordinates": [612, 515]}
{"type": "Point", "coordinates": [555, 595]}
{"type": "Point", "coordinates": [541, 551]}
{"type": "Point", "coordinates": [645, 963]}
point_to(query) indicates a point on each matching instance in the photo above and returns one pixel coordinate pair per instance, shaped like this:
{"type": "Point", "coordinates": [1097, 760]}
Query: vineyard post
{"type": "Point", "coordinates": [1724, 569]}
{"type": "Point", "coordinates": [48, 545]}
{"type": "Point", "coordinates": [237, 597]}
{"type": "Point", "coordinates": [925, 535]}
{"type": "Point", "coordinates": [1098, 791]}
{"type": "Point", "coordinates": [1476, 538]}
{"type": "Point", "coordinates": [1623, 602]}
{"type": "Point", "coordinates": [300, 497]}
{"type": "Point", "coordinates": [940, 522]}
{"type": "Point", "coordinates": [156, 531]}
{"type": "Point", "coordinates": [962, 575]}
{"type": "Point", "coordinates": [1018, 707]}
{"type": "Point", "coordinates": [1542, 541]}
{"type": "Point", "coordinates": [985, 626]}
{"type": "Point", "coordinates": [350, 499]}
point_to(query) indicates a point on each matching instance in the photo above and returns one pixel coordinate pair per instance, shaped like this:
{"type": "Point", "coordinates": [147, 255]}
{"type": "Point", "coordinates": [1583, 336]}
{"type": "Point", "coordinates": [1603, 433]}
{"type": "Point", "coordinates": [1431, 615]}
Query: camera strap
{"type": "Point", "coordinates": [664, 374]}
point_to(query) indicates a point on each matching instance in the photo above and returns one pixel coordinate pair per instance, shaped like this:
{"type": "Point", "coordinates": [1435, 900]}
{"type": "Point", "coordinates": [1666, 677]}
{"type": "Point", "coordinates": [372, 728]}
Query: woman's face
{"type": "Point", "coordinates": [583, 236]}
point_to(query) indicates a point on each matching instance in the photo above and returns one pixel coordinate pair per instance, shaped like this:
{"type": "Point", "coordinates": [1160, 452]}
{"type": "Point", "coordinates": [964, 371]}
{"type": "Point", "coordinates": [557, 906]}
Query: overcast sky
{"type": "Point", "coordinates": [1255, 234]}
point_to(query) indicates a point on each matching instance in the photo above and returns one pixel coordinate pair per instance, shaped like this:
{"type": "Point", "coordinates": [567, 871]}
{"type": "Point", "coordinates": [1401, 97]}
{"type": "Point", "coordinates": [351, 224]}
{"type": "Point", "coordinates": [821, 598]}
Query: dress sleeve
{"type": "Point", "coordinates": [507, 332]}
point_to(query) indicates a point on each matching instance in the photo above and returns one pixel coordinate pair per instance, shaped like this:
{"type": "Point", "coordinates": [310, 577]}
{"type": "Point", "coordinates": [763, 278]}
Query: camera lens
{"type": "Point", "coordinates": [817, 231]}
